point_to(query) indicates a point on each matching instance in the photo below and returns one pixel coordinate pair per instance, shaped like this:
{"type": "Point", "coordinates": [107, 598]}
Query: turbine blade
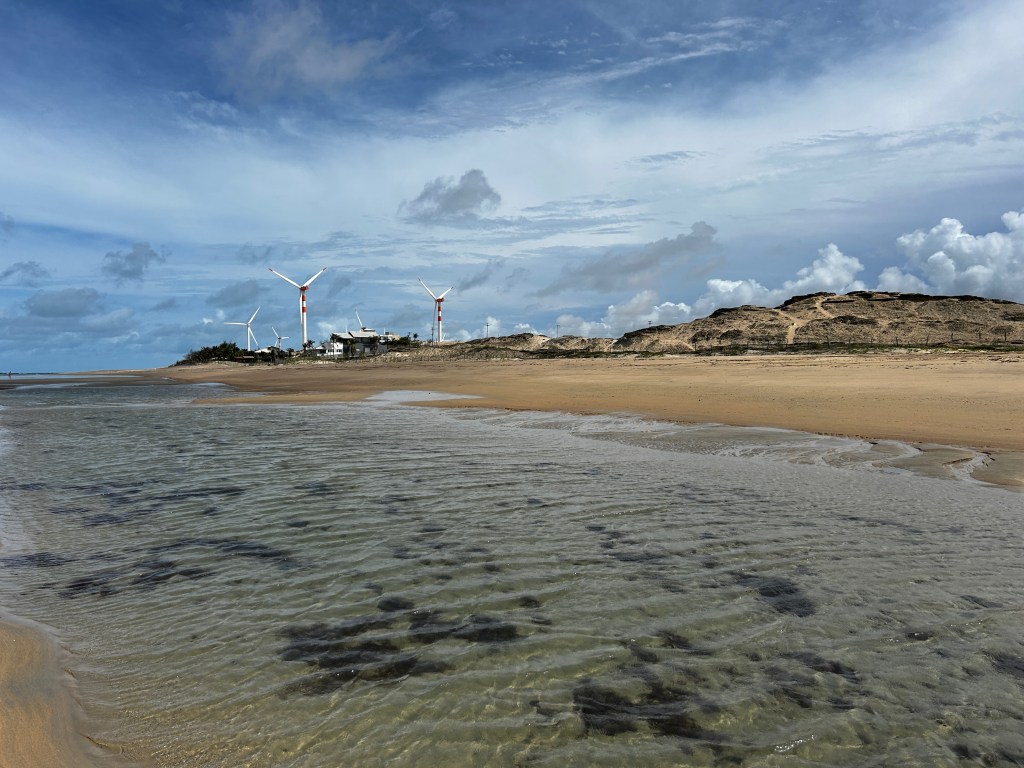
{"type": "Point", "coordinates": [445, 293]}
{"type": "Point", "coordinates": [245, 324]}
{"type": "Point", "coordinates": [428, 290]}
{"type": "Point", "coordinates": [314, 277]}
{"type": "Point", "coordinates": [286, 279]}
{"type": "Point", "coordinates": [254, 314]}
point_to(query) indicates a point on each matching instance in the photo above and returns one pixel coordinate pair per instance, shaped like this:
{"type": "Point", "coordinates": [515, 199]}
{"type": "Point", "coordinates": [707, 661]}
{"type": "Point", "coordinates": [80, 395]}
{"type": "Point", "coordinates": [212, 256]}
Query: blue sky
{"type": "Point", "coordinates": [584, 166]}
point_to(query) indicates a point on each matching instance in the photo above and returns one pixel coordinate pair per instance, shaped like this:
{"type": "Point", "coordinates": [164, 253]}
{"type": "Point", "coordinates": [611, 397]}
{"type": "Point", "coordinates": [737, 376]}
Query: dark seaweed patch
{"type": "Point", "coordinates": [297, 523]}
{"type": "Point", "coordinates": [342, 655]}
{"type": "Point", "coordinates": [98, 584]}
{"type": "Point", "coordinates": [431, 528]}
{"type": "Point", "coordinates": [666, 710]}
{"type": "Point", "coordinates": [233, 547]}
{"type": "Point", "coordinates": [35, 560]}
{"type": "Point", "coordinates": [638, 557]}
{"type": "Point", "coordinates": [603, 709]}
{"type": "Point", "coordinates": [201, 493]}
{"type": "Point", "coordinates": [529, 601]}
{"type": "Point", "coordinates": [486, 629]}
{"type": "Point", "coordinates": [779, 593]}
{"type": "Point", "coordinates": [981, 602]}
{"type": "Point", "coordinates": [674, 640]}
{"type": "Point", "coordinates": [393, 603]}
{"type": "Point", "coordinates": [429, 626]}
{"type": "Point", "coordinates": [1008, 664]}
{"type": "Point", "coordinates": [157, 571]}
{"type": "Point", "coordinates": [820, 664]}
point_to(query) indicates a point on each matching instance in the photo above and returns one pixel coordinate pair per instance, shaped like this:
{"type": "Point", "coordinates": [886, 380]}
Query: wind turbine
{"type": "Point", "coordinates": [438, 300]}
{"type": "Point", "coordinates": [280, 338]}
{"type": "Point", "coordinates": [302, 297]}
{"type": "Point", "coordinates": [248, 331]}
{"type": "Point", "coordinates": [361, 326]}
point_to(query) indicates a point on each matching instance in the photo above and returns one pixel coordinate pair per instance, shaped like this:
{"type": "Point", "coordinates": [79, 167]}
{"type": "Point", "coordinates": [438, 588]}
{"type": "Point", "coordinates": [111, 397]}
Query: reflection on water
{"type": "Point", "coordinates": [371, 584]}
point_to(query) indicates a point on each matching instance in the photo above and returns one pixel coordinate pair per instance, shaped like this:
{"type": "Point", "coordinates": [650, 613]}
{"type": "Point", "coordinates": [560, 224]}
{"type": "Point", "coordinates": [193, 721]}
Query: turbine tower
{"type": "Point", "coordinates": [280, 338]}
{"type": "Point", "coordinates": [438, 300]}
{"type": "Point", "coordinates": [302, 297]}
{"type": "Point", "coordinates": [249, 335]}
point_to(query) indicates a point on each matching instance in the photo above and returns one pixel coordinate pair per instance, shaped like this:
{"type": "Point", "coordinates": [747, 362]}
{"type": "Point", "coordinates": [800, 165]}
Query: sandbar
{"type": "Point", "coordinates": [967, 399]}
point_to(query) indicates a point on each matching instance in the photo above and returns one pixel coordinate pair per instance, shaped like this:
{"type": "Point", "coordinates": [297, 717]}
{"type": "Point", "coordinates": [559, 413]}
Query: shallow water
{"type": "Point", "coordinates": [376, 584]}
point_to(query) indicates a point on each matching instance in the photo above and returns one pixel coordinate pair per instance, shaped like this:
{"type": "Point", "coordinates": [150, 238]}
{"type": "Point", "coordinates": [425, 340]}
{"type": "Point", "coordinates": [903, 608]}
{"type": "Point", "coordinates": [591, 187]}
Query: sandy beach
{"type": "Point", "coordinates": [969, 400]}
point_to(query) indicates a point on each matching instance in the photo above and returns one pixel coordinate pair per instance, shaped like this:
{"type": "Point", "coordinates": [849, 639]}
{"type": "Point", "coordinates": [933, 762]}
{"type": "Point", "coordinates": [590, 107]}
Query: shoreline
{"type": "Point", "coordinates": [962, 400]}
{"type": "Point", "coordinates": [40, 718]}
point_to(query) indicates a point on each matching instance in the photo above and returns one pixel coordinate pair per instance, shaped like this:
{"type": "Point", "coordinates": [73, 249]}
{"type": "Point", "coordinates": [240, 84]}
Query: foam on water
{"type": "Point", "coordinates": [373, 584]}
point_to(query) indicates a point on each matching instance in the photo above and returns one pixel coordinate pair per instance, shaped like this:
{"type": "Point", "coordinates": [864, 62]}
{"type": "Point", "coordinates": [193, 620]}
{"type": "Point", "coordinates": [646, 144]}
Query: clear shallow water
{"type": "Point", "coordinates": [372, 584]}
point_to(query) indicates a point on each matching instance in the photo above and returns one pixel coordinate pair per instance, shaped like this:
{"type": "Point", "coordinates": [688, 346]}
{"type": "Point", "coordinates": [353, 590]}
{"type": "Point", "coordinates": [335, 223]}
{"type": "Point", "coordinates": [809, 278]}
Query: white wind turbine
{"type": "Point", "coordinates": [438, 300]}
{"type": "Point", "coordinates": [249, 335]}
{"type": "Point", "coordinates": [280, 338]}
{"type": "Point", "coordinates": [361, 326]}
{"type": "Point", "coordinates": [302, 297]}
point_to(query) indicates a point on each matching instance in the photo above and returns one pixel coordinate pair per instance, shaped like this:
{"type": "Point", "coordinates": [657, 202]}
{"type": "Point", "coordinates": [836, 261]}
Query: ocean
{"type": "Point", "coordinates": [372, 583]}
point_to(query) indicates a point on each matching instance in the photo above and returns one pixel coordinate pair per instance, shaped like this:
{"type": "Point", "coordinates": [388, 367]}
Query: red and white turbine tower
{"type": "Point", "coordinates": [302, 297]}
{"type": "Point", "coordinates": [438, 300]}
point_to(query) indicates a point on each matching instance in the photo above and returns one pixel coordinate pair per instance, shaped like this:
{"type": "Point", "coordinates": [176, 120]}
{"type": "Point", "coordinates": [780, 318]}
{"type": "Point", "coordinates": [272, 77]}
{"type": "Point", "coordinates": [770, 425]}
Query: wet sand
{"type": "Point", "coordinates": [39, 718]}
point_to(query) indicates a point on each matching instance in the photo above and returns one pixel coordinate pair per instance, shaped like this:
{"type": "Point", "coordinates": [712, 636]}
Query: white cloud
{"type": "Point", "coordinates": [947, 260]}
{"type": "Point", "coordinates": [832, 271]}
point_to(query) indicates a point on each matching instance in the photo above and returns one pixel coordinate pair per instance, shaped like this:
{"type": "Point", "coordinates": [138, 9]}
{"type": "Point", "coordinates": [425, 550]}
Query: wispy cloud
{"type": "Point", "coordinates": [237, 294]}
{"type": "Point", "coordinates": [285, 48]}
{"type": "Point", "coordinates": [638, 267]}
{"type": "Point", "coordinates": [29, 273]}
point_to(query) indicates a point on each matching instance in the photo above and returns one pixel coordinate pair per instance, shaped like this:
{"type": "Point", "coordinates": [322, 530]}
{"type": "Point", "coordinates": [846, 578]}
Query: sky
{"type": "Point", "coordinates": [583, 167]}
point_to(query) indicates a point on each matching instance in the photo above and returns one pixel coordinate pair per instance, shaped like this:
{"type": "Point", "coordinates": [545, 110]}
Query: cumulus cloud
{"type": "Point", "coordinates": [447, 201]}
{"type": "Point", "coordinates": [949, 261]}
{"type": "Point", "coordinates": [638, 267]}
{"type": "Point", "coordinates": [278, 48]}
{"type": "Point", "coordinates": [132, 265]}
{"type": "Point", "coordinates": [832, 271]}
{"type": "Point", "coordinates": [29, 273]}
{"type": "Point", "coordinates": [239, 294]}
{"type": "Point", "coordinates": [69, 302]}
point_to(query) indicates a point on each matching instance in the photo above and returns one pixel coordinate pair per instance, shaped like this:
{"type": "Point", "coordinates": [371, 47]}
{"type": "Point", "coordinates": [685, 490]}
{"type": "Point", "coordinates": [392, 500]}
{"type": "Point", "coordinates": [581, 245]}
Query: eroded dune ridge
{"type": "Point", "coordinates": [821, 320]}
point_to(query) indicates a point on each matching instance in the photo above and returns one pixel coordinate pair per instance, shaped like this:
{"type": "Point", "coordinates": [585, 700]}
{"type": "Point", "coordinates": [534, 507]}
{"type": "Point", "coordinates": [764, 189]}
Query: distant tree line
{"type": "Point", "coordinates": [226, 350]}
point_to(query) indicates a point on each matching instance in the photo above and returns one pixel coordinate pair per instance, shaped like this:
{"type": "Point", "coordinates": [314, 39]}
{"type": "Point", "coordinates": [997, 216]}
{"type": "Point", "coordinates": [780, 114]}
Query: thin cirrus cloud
{"type": "Point", "coordinates": [635, 267]}
{"type": "Point", "coordinates": [276, 50]}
